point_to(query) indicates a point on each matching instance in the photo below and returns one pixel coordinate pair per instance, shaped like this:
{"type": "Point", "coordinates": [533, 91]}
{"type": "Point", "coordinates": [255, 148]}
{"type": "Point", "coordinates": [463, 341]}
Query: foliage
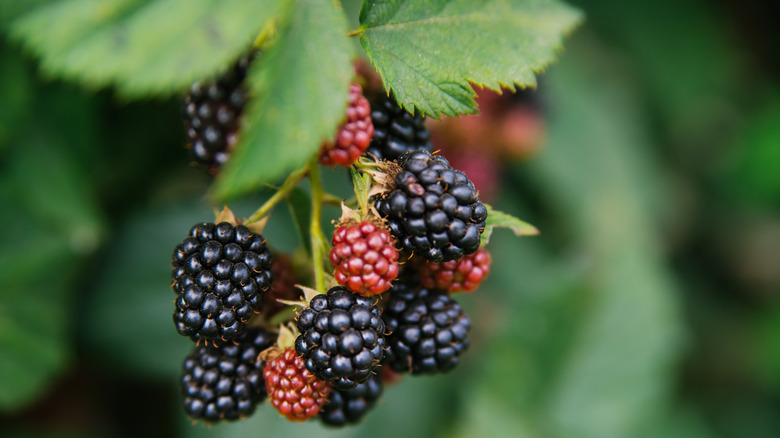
{"type": "Point", "coordinates": [299, 84]}
{"type": "Point", "coordinates": [646, 307]}
{"type": "Point", "coordinates": [429, 53]}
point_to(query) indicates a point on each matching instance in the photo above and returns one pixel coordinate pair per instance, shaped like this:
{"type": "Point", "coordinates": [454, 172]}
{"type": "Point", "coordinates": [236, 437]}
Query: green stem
{"type": "Point", "coordinates": [357, 32]}
{"type": "Point", "coordinates": [280, 194]}
{"type": "Point", "coordinates": [315, 228]}
{"type": "Point", "coordinates": [332, 200]}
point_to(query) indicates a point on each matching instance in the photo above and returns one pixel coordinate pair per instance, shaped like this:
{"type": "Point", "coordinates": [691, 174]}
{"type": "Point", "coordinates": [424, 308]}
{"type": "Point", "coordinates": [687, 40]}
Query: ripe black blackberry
{"type": "Point", "coordinates": [212, 113]}
{"type": "Point", "coordinates": [428, 329]}
{"type": "Point", "coordinates": [220, 274]}
{"type": "Point", "coordinates": [434, 210]}
{"type": "Point", "coordinates": [396, 130]}
{"type": "Point", "coordinates": [341, 337]}
{"type": "Point", "coordinates": [225, 383]}
{"type": "Point", "coordinates": [349, 407]}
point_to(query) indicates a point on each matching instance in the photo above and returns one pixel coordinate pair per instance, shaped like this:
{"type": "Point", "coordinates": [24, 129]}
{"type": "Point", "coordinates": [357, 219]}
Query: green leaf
{"type": "Point", "coordinates": [503, 220]}
{"type": "Point", "coordinates": [428, 52]}
{"type": "Point", "coordinates": [300, 87]}
{"type": "Point", "coordinates": [9, 10]}
{"type": "Point", "coordinates": [143, 47]}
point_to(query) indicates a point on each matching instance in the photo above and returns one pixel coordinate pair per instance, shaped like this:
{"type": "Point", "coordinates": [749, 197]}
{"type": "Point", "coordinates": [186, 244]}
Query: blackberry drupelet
{"type": "Point", "coordinates": [395, 130]}
{"type": "Point", "coordinates": [294, 391]}
{"type": "Point", "coordinates": [364, 257]}
{"type": "Point", "coordinates": [349, 407]}
{"type": "Point", "coordinates": [212, 113]}
{"type": "Point", "coordinates": [342, 337]}
{"type": "Point", "coordinates": [460, 275]}
{"type": "Point", "coordinates": [220, 274]}
{"type": "Point", "coordinates": [434, 211]}
{"type": "Point", "coordinates": [225, 383]}
{"type": "Point", "coordinates": [428, 329]}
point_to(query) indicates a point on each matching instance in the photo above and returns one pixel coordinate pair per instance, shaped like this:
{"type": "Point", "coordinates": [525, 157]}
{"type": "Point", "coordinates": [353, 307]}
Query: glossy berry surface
{"type": "Point", "coordinates": [220, 274]}
{"type": "Point", "coordinates": [349, 407]}
{"type": "Point", "coordinates": [225, 383]}
{"type": "Point", "coordinates": [353, 136]}
{"type": "Point", "coordinates": [434, 211]}
{"type": "Point", "coordinates": [212, 113]}
{"type": "Point", "coordinates": [396, 131]}
{"type": "Point", "coordinates": [342, 337]}
{"type": "Point", "coordinates": [460, 275]}
{"type": "Point", "coordinates": [365, 258]}
{"type": "Point", "coordinates": [429, 330]}
{"type": "Point", "coordinates": [292, 389]}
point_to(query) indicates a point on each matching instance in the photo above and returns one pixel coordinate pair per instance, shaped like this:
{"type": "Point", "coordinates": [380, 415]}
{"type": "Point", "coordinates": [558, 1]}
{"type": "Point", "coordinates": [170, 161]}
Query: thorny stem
{"type": "Point", "coordinates": [315, 228]}
{"type": "Point", "coordinates": [280, 194]}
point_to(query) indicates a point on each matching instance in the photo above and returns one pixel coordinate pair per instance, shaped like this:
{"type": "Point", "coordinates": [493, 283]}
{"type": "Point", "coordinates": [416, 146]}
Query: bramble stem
{"type": "Point", "coordinates": [315, 228]}
{"type": "Point", "coordinates": [280, 194]}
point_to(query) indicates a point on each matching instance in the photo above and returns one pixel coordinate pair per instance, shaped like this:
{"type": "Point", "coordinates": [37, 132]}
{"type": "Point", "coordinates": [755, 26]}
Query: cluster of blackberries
{"type": "Point", "coordinates": [212, 113]}
{"type": "Point", "coordinates": [332, 357]}
{"type": "Point", "coordinates": [220, 274]}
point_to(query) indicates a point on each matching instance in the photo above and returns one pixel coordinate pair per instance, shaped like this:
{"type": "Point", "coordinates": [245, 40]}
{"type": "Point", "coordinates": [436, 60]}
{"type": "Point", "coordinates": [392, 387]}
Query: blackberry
{"type": "Point", "coordinates": [349, 407]}
{"type": "Point", "coordinates": [365, 258]}
{"type": "Point", "coordinates": [396, 130]}
{"type": "Point", "coordinates": [457, 275]}
{"type": "Point", "coordinates": [293, 390]}
{"type": "Point", "coordinates": [225, 383]}
{"type": "Point", "coordinates": [212, 113]}
{"type": "Point", "coordinates": [341, 337]}
{"type": "Point", "coordinates": [353, 136]}
{"type": "Point", "coordinates": [428, 330]}
{"type": "Point", "coordinates": [220, 274]}
{"type": "Point", "coordinates": [434, 210]}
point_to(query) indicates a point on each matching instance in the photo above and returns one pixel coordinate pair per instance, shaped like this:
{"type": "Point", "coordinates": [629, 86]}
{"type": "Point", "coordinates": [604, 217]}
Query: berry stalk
{"type": "Point", "coordinates": [290, 183]}
{"type": "Point", "coordinates": [315, 228]}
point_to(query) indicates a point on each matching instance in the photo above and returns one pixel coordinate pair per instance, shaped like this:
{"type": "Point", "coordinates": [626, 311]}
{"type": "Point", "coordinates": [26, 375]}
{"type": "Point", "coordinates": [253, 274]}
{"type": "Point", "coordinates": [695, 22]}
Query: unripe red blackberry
{"type": "Point", "coordinates": [220, 273]}
{"type": "Point", "coordinates": [464, 274]}
{"type": "Point", "coordinates": [349, 407]}
{"type": "Point", "coordinates": [353, 136]}
{"type": "Point", "coordinates": [212, 112]}
{"type": "Point", "coordinates": [225, 383]}
{"type": "Point", "coordinates": [365, 258]}
{"type": "Point", "coordinates": [429, 330]}
{"type": "Point", "coordinates": [433, 211]}
{"type": "Point", "coordinates": [396, 131]}
{"type": "Point", "coordinates": [292, 389]}
{"type": "Point", "coordinates": [282, 287]}
{"type": "Point", "coordinates": [342, 337]}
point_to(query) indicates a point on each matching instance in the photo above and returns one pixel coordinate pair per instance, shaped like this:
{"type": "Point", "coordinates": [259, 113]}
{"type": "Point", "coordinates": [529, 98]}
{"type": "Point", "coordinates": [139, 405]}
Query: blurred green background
{"type": "Point", "coordinates": [648, 307]}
